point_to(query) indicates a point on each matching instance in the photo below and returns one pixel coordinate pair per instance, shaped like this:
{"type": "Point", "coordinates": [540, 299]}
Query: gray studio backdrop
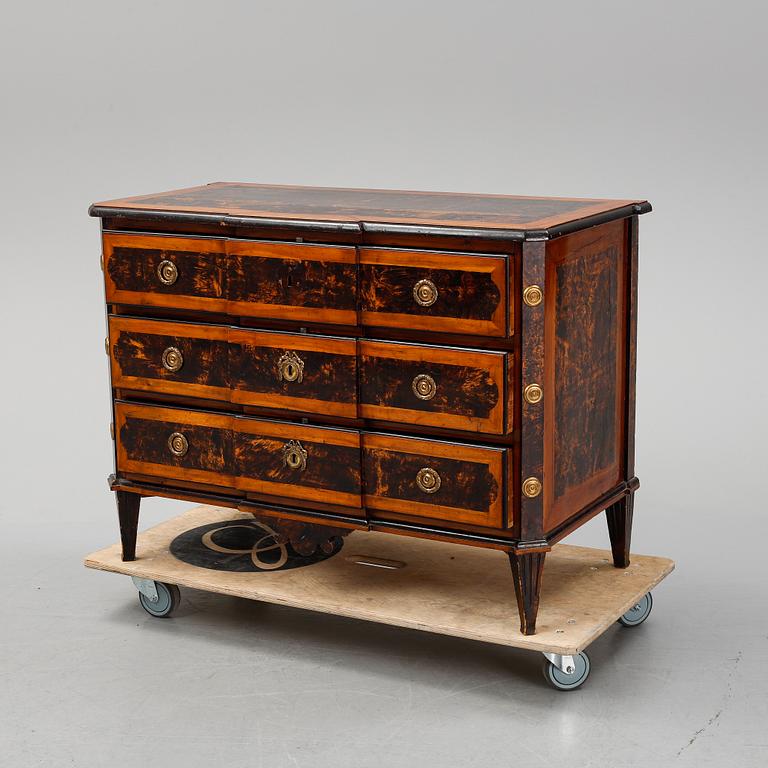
{"type": "Point", "coordinates": [664, 100]}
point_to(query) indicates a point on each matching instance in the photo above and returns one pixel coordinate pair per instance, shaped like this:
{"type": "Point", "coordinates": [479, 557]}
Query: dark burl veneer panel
{"type": "Point", "coordinates": [588, 278]}
{"type": "Point", "coordinates": [291, 282]}
{"type": "Point", "coordinates": [330, 467]}
{"type": "Point", "coordinates": [462, 294]}
{"type": "Point", "coordinates": [199, 274]}
{"type": "Point", "coordinates": [460, 389]}
{"type": "Point", "coordinates": [144, 440]}
{"type": "Point", "coordinates": [465, 484]}
{"type": "Point", "coordinates": [326, 376]}
{"type": "Point", "coordinates": [140, 354]}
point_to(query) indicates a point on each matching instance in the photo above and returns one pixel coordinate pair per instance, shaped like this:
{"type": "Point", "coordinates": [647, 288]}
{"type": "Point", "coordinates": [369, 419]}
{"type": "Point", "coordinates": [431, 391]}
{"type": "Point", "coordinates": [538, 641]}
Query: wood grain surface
{"type": "Point", "coordinates": [471, 291]}
{"type": "Point", "coordinates": [585, 367]}
{"type": "Point", "coordinates": [371, 205]}
{"type": "Point", "coordinates": [471, 479]}
{"type": "Point", "coordinates": [469, 386]}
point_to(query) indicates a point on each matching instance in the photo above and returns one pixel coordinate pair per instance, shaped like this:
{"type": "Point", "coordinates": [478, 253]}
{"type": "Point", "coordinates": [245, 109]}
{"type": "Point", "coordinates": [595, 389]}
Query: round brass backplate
{"type": "Point", "coordinates": [532, 487]}
{"type": "Point", "coordinates": [167, 272]}
{"type": "Point", "coordinates": [290, 367]}
{"type": "Point", "coordinates": [294, 455]}
{"type": "Point", "coordinates": [532, 295]}
{"type": "Point", "coordinates": [425, 293]}
{"type": "Point", "coordinates": [533, 394]}
{"type": "Point", "coordinates": [177, 444]}
{"type": "Point", "coordinates": [428, 480]}
{"type": "Point", "coordinates": [172, 359]}
{"type": "Point", "coordinates": [424, 387]}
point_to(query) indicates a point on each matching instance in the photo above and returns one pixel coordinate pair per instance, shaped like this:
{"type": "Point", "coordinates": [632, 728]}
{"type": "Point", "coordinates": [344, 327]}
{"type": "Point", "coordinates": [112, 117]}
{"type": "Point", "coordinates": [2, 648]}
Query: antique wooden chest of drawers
{"type": "Point", "coordinates": [458, 367]}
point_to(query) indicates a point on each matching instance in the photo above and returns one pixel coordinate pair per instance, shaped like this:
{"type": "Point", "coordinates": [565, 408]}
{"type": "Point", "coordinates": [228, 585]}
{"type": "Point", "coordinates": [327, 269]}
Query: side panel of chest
{"type": "Point", "coordinates": [585, 367]}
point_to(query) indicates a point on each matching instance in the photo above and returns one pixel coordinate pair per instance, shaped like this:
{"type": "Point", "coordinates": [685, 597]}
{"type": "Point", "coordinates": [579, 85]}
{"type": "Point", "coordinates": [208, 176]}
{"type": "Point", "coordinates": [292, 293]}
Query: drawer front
{"type": "Point", "coordinates": [299, 462]}
{"type": "Point", "coordinates": [297, 372]}
{"type": "Point", "coordinates": [288, 281]}
{"type": "Point", "coordinates": [434, 386]}
{"type": "Point", "coordinates": [172, 358]}
{"type": "Point", "coordinates": [437, 480]}
{"type": "Point", "coordinates": [449, 293]}
{"type": "Point", "coordinates": [251, 455]}
{"type": "Point", "coordinates": [311, 374]}
{"type": "Point", "coordinates": [154, 270]}
{"type": "Point", "coordinates": [175, 444]}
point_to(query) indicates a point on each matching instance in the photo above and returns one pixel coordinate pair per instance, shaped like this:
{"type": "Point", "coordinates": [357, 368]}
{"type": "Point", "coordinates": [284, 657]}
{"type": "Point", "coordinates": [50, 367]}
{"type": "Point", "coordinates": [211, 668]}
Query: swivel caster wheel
{"type": "Point", "coordinates": [157, 599]}
{"type": "Point", "coordinates": [638, 613]}
{"type": "Point", "coordinates": [566, 673]}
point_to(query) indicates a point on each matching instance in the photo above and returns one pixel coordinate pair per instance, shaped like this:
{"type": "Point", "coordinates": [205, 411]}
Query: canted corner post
{"type": "Point", "coordinates": [527, 559]}
{"type": "Point", "coordinates": [527, 568]}
{"type": "Point", "coordinates": [128, 512]}
{"type": "Point", "coordinates": [619, 516]}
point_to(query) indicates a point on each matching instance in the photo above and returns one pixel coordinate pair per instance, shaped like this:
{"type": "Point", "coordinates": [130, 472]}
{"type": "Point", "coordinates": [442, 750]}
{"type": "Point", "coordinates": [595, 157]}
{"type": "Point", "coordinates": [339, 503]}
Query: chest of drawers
{"type": "Point", "coordinates": [456, 367]}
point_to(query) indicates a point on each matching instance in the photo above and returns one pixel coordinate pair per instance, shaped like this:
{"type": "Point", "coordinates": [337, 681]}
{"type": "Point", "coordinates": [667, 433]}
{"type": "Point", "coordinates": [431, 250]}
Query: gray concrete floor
{"type": "Point", "coordinates": [88, 679]}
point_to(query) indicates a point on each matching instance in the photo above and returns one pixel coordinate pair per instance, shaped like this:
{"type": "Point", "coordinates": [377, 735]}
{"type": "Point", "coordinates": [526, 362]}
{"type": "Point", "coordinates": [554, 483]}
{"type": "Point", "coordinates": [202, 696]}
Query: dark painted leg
{"type": "Point", "coordinates": [620, 529]}
{"type": "Point", "coordinates": [527, 568]}
{"type": "Point", "coordinates": [128, 512]}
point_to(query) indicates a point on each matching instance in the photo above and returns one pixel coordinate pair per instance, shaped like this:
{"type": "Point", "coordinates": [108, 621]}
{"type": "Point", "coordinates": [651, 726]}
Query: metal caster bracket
{"type": "Point", "coordinates": [563, 663]}
{"type": "Point", "coordinates": [147, 588]}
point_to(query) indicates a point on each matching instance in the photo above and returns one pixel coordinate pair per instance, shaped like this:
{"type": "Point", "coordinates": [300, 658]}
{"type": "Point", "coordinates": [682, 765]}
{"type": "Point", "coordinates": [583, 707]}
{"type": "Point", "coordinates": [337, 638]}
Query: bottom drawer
{"type": "Point", "coordinates": [252, 455]}
{"type": "Point", "coordinates": [443, 481]}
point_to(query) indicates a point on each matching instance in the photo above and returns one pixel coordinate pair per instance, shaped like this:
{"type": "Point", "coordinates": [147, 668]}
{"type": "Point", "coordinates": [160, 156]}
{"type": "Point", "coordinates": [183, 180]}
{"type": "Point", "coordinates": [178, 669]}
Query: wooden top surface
{"type": "Point", "coordinates": [328, 204]}
{"type": "Point", "coordinates": [450, 589]}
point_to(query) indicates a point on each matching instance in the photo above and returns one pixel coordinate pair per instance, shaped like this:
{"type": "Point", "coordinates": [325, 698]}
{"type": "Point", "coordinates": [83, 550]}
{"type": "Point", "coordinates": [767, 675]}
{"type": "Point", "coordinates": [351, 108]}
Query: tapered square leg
{"type": "Point", "coordinates": [527, 568]}
{"type": "Point", "coordinates": [128, 512]}
{"type": "Point", "coordinates": [619, 517]}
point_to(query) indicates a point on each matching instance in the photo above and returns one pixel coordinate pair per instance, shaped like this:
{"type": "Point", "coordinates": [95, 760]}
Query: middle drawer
{"type": "Point", "coordinates": [446, 387]}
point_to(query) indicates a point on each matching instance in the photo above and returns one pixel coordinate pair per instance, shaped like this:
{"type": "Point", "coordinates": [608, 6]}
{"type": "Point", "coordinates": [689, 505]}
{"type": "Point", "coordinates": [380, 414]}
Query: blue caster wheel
{"type": "Point", "coordinates": [564, 680]}
{"type": "Point", "coordinates": [168, 599]}
{"type": "Point", "coordinates": [638, 613]}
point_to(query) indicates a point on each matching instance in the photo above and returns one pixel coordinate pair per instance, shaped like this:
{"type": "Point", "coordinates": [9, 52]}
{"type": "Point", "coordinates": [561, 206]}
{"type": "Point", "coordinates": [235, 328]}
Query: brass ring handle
{"type": "Point", "coordinates": [428, 480]}
{"type": "Point", "coordinates": [290, 367]}
{"type": "Point", "coordinates": [178, 444]}
{"type": "Point", "coordinates": [167, 272]}
{"type": "Point", "coordinates": [531, 487]}
{"type": "Point", "coordinates": [425, 293]}
{"type": "Point", "coordinates": [424, 387]}
{"type": "Point", "coordinates": [294, 455]}
{"type": "Point", "coordinates": [533, 295]}
{"type": "Point", "coordinates": [172, 359]}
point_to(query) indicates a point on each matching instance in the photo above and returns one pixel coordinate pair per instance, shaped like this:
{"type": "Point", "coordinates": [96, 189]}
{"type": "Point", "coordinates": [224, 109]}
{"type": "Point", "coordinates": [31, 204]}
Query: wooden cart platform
{"type": "Point", "coordinates": [409, 582]}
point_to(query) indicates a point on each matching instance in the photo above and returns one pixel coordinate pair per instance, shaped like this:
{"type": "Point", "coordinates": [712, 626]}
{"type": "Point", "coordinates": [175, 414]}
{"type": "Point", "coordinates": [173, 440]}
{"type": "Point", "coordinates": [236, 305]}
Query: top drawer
{"type": "Point", "coordinates": [291, 281]}
{"type": "Point", "coordinates": [453, 293]}
{"type": "Point", "coordinates": [425, 290]}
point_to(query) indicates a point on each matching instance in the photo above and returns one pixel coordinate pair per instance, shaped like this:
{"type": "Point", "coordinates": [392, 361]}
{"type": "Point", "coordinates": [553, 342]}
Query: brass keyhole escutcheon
{"type": "Point", "coordinates": [425, 293]}
{"type": "Point", "coordinates": [424, 387]}
{"type": "Point", "coordinates": [172, 359]}
{"type": "Point", "coordinates": [294, 455]}
{"type": "Point", "coordinates": [428, 480]}
{"type": "Point", "coordinates": [167, 272]}
{"type": "Point", "coordinates": [177, 444]}
{"type": "Point", "coordinates": [533, 295]}
{"type": "Point", "coordinates": [533, 394]}
{"type": "Point", "coordinates": [290, 367]}
{"type": "Point", "coordinates": [532, 487]}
